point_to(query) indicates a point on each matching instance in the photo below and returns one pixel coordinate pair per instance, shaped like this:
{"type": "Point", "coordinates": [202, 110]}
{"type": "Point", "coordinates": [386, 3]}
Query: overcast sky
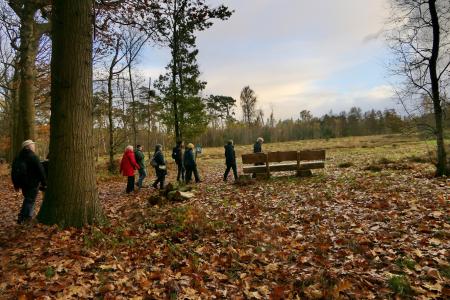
{"type": "Point", "coordinates": [295, 54]}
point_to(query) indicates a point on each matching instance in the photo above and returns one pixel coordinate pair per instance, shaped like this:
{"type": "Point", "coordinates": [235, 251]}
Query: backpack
{"type": "Point", "coordinates": [19, 172]}
{"type": "Point", "coordinates": [153, 163]}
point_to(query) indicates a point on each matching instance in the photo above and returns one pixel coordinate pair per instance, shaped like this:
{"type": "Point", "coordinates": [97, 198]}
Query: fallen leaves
{"type": "Point", "coordinates": [341, 234]}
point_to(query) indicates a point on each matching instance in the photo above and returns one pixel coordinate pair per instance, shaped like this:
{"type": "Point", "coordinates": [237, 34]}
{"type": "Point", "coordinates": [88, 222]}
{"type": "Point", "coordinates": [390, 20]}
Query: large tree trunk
{"type": "Point", "coordinates": [149, 118]}
{"type": "Point", "coordinates": [28, 52]}
{"type": "Point", "coordinates": [112, 165]}
{"type": "Point", "coordinates": [441, 166]}
{"type": "Point", "coordinates": [178, 136]}
{"type": "Point", "coordinates": [72, 196]}
{"type": "Point", "coordinates": [112, 147]}
{"type": "Point", "coordinates": [15, 142]}
{"type": "Point", "coordinates": [133, 108]}
{"type": "Point", "coordinates": [30, 34]}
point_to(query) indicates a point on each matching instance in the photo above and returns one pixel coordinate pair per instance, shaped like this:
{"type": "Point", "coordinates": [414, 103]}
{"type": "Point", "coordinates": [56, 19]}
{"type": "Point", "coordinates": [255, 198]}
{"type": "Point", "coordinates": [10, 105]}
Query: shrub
{"type": "Point", "coordinates": [418, 159]}
{"type": "Point", "coordinates": [345, 165]}
{"type": "Point", "coordinates": [373, 168]}
{"type": "Point", "coordinates": [400, 285]}
{"type": "Point", "coordinates": [385, 161]}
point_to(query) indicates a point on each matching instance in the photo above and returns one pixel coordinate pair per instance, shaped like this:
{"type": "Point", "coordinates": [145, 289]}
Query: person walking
{"type": "Point", "coordinates": [140, 160]}
{"type": "Point", "coordinates": [28, 175]}
{"type": "Point", "coordinates": [177, 155]}
{"type": "Point", "coordinates": [127, 166]}
{"type": "Point", "coordinates": [160, 167]}
{"type": "Point", "coordinates": [257, 147]}
{"type": "Point", "coordinates": [190, 164]}
{"type": "Point", "coordinates": [230, 161]}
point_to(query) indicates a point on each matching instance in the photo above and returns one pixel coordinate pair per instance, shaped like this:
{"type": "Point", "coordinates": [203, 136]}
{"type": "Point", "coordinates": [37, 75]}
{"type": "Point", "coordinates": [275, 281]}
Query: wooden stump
{"type": "Point", "coordinates": [155, 200]}
{"type": "Point", "coordinates": [179, 196]}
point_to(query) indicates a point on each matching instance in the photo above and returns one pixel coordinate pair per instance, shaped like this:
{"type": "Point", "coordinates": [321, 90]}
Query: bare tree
{"type": "Point", "coordinates": [33, 25]}
{"type": "Point", "coordinates": [9, 80]}
{"type": "Point", "coordinates": [260, 117]}
{"type": "Point", "coordinates": [125, 49]}
{"type": "Point", "coordinates": [133, 44]}
{"type": "Point", "coordinates": [248, 104]}
{"type": "Point", "coordinates": [420, 39]}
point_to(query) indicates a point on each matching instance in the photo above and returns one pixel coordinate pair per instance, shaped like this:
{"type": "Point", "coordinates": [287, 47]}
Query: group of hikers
{"type": "Point", "coordinates": [133, 160]}
{"type": "Point", "coordinates": [29, 174]}
{"type": "Point", "coordinates": [184, 158]}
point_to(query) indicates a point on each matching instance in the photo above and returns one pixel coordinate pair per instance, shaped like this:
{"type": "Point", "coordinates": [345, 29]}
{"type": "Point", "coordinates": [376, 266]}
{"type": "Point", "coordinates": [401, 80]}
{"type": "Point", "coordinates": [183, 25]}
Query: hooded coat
{"type": "Point", "coordinates": [128, 163]}
{"type": "Point", "coordinates": [230, 155]}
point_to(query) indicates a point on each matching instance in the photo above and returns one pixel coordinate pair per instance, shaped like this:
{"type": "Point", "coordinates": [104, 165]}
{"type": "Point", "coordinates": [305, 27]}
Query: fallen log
{"type": "Point", "coordinates": [179, 196]}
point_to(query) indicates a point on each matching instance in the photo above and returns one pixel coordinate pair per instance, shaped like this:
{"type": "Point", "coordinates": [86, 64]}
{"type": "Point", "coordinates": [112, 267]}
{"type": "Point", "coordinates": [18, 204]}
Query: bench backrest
{"type": "Point", "coordinates": [254, 158]}
{"type": "Point", "coordinates": [304, 155]}
{"type": "Point", "coordinates": [312, 155]}
{"type": "Point", "coordinates": [283, 156]}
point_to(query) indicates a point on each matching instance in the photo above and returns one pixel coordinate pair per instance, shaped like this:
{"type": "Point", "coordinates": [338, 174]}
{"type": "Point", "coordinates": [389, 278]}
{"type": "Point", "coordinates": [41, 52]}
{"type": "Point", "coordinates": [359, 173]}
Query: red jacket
{"type": "Point", "coordinates": [128, 164]}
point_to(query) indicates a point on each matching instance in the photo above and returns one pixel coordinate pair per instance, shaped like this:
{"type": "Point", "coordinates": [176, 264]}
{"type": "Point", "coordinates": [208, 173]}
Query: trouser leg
{"type": "Point", "coordinates": [142, 175]}
{"type": "Point", "coordinates": [227, 171]}
{"type": "Point", "coordinates": [130, 184]}
{"type": "Point", "coordinates": [183, 172]}
{"type": "Point", "coordinates": [188, 175]}
{"type": "Point", "coordinates": [235, 171]}
{"type": "Point", "coordinates": [29, 199]}
{"type": "Point", "coordinates": [196, 176]}
{"type": "Point", "coordinates": [180, 173]}
{"type": "Point", "coordinates": [155, 183]}
{"type": "Point", "coordinates": [161, 179]}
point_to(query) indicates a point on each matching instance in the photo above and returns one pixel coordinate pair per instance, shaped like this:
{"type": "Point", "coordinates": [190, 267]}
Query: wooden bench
{"type": "Point", "coordinates": [300, 161]}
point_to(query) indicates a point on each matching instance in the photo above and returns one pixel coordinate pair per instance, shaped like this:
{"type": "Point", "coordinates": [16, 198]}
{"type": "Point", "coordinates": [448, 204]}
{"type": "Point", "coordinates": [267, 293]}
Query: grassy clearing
{"type": "Point", "coordinates": [347, 232]}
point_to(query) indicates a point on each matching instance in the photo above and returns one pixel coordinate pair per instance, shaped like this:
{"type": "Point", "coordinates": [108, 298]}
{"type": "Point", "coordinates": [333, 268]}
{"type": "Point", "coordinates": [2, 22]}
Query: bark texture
{"type": "Point", "coordinates": [441, 166]}
{"type": "Point", "coordinates": [72, 197]}
{"type": "Point", "coordinates": [28, 51]}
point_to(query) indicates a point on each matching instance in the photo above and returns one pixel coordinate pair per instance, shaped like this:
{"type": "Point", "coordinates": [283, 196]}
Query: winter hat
{"type": "Point", "coordinates": [27, 143]}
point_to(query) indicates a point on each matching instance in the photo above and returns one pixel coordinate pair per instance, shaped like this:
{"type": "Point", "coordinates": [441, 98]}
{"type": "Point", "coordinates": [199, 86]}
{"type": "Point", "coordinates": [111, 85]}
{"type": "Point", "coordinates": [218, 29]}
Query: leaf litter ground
{"type": "Point", "coordinates": [351, 231]}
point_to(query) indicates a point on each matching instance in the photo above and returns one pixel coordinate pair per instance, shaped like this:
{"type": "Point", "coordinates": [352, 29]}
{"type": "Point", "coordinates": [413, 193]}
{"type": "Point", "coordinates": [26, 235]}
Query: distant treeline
{"type": "Point", "coordinates": [355, 122]}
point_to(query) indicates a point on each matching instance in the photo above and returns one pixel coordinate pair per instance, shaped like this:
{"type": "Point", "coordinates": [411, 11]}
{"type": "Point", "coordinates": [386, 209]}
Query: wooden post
{"type": "Point", "coordinates": [298, 163]}
{"type": "Point", "coordinates": [267, 165]}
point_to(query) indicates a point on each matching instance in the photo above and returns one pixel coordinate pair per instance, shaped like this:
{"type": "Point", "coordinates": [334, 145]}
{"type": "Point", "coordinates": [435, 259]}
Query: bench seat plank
{"type": "Point", "coordinates": [285, 167]}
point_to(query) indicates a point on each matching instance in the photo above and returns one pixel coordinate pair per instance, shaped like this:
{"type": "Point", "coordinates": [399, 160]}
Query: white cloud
{"type": "Point", "coordinates": [289, 50]}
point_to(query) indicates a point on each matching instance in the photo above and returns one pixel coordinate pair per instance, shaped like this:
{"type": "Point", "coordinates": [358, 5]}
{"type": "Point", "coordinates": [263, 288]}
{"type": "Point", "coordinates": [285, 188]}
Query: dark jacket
{"type": "Point", "coordinates": [189, 161]}
{"type": "Point", "coordinates": [140, 159]}
{"type": "Point", "coordinates": [177, 155]}
{"type": "Point", "coordinates": [230, 155]}
{"type": "Point", "coordinates": [45, 166]}
{"type": "Point", "coordinates": [159, 159]}
{"type": "Point", "coordinates": [257, 148]}
{"type": "Point", "coordinates": [35, 173]}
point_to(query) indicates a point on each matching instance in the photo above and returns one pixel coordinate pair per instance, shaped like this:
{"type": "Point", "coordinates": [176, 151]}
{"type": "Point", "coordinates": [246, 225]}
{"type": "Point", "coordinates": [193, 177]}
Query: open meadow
{"type": "Point", "coordinates": [374, 224]}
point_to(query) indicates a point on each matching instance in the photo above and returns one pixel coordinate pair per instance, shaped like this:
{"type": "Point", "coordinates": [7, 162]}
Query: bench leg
{"type": "Point", "coordinates": [262, 176]}
{"type": "Point", "coordinates": [304, 173]}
